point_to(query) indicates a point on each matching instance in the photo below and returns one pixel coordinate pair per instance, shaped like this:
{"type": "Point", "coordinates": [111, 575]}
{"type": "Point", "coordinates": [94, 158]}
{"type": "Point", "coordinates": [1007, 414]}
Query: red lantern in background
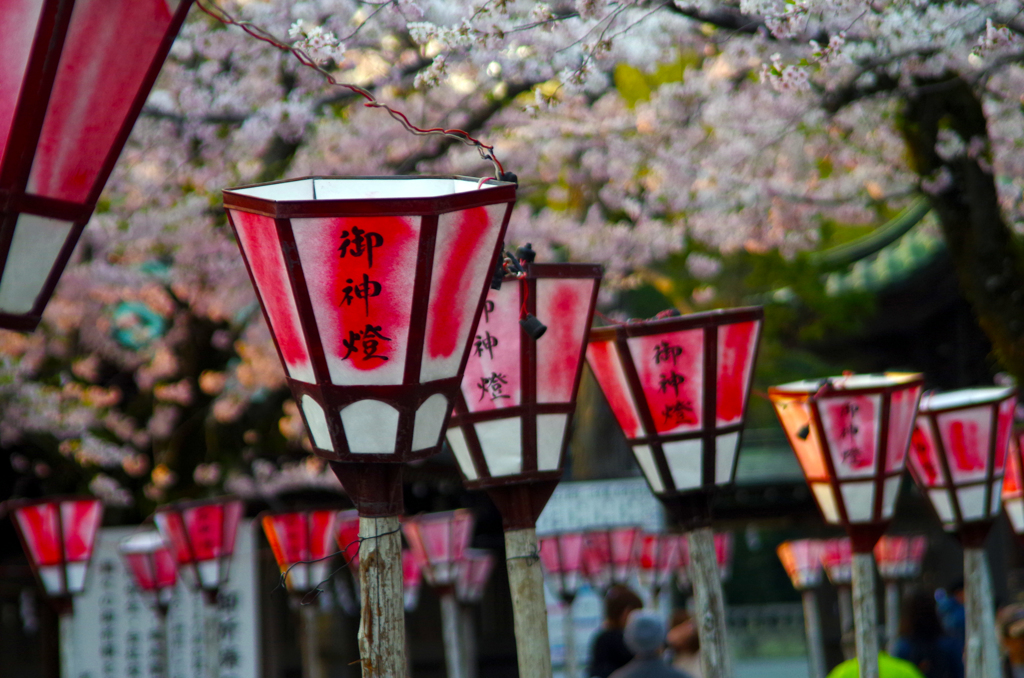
{"type": "Point", "coordinates": [202, 537]}
{"type": "Point", "coordinates": [151, 564]}
{"type": "Point", "coordinates": [58, 534]}
{"type": "Point", "coordinates": [610, 556]}
{"type": "Point", "coordinates": [661, 555]}
{"type": "Point", "coordinates": [802, 560]}
{"type": "Point", "coordinates": [73, 78]}
{"type": "Point", "coordinates": [723, 555]}
{"type": "Point", "coordinates": [473, 572]}
{"type": "Point", "coordinates": [302, 542]}
{"type": "Point", "coordinates": [562, 558]}
{"type": "Point", "coordinates": [438, 542]}
{"type": "Point", "coordinates": [1013, 487]}
{"type": "Point", "coordinates": [412, 576]}
{"type": "Point", "coordinates": [347, 536]}
{"type": "Point", "coordinates": [837, 559]}
{"type": "Point", "coordinates": [900, 557]}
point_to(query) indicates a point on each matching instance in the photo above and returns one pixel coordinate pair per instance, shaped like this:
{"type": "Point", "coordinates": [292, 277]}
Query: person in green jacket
{"type": "Point", "coordinates": [888, 666]}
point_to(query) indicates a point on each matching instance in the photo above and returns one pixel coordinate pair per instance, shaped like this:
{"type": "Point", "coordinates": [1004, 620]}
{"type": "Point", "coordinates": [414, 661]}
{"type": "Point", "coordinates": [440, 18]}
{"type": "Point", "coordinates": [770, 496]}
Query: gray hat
{"type": "Point", "coordinates": [645, 633]}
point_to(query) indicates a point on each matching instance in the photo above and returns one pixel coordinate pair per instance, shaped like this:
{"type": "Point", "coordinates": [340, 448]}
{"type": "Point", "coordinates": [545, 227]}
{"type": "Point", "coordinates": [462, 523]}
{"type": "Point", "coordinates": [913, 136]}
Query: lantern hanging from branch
{"type": "Point", "coordinates": [202, 536]}
{"type": "Point", "coordinates": [302, 542]}
{"type": "Point", "coordinates": [73, 78]}
{"type": "Point", "coordinates": [802, 560]}
{"type": "Point", "coordinates": [149, 560]}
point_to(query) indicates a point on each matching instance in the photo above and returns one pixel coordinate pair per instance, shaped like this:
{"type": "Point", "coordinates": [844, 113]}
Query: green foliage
{"type": "Point", "coordinates": [635, 85]}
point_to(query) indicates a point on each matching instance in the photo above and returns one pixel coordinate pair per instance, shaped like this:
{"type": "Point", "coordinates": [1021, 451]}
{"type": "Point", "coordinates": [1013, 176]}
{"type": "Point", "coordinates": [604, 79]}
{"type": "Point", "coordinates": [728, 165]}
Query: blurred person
{"type": "Point", "coordinates": [645, 637]}
{"type": "Point", "coordinates": [888, 666]}
{"type": "Point", "coordinates": [1010, 627]}
{"type": "Point", "coordinates": [685, 644]}
{"type": "Point", "coordinates": [608, 650]}
{"type": "Point", "coordinates": [922, 640]}
{"type": "Point", "coordinates": [950, 602]}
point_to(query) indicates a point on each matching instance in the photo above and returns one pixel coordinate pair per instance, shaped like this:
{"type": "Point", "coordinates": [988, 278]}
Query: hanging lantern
{"type": "Point", "coordinates": [1013, 486]}
{"type": "Point", "coordinates": [473, 572]}
{"type": "Point", "coordinates": [73, 78]}
{"type": "Point", "coordinates": [412, 577]}
{"type": "Point", "coordinates": [850, 434]}
{"type": "Point", "coordinates": [900, 557]}
{"type": "Point", "coordinates": [438, 542]}
{"type": "Point", "coordinates": [302, 542]}
{"type": "Point", "coordinates": [802, 560]}
{"type": "Point", "coordinates": [149, 560]}
{"type": "Point", "coordinates": [660, 556]}
{"type": "Point", "coordinates": [837, 559]}
{"type": "Point", "coordinates": [958, 453]}
{"type": "Point", "coordinates": [561, 555]}
{"type": "Point", "coordinates": [58, 535]}
{"type": "Point", "coordinates": [723, 555]}
{"type": "Point", "coordinates": [202, 536]}
{"type": "Point", "coordinates": [347, 535]}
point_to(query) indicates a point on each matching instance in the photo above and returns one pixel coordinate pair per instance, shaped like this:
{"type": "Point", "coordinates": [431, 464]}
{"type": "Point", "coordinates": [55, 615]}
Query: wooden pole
{"type": "Point", "coordinates": [845, 608]}
{"type": "Point", "coordinates": [992, 660]}
{"type": "Point", "coordinates": [892, 614]}
{"type": "Point", "coordinates": [211, 642]}
{"type": "Point", "coordinates": [454, 657]}
{"type": "Point", "coordinates": [865, 614]}
{"type": "Point", "coordinates": [707, 592]}
{"type": "Point", "coordinates": [66, 631]}
{"type": "Point", "coordinates": [469, 647]}
{"type": "Point", "coordinates": [815, 642]}
{"type": "Point", "coordinates": [382, 613]}
{"type": "Point", "coordinates": [526, 584]}
{"type": "Point", "coordinates": [569, 641]}
{"type": "Point", "coordinates": [312, 663]}
{"type": "Point", "coordinates": [981, 658]}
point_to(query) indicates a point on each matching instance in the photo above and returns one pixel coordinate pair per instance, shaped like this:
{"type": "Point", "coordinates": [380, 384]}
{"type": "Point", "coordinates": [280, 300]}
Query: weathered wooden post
{"type": "Point", "coordinates": [372, 289]}
{"type": "Point", "coordinates": [850, 435]}
{"type": "Point", "coordinates": [957, 458]}
{"type": "Point", "coordinates": [678, 387]}
{"type": "Point", "coordinates": [899, 558]}
{"type": "Point", "coordinates": [802, 560]}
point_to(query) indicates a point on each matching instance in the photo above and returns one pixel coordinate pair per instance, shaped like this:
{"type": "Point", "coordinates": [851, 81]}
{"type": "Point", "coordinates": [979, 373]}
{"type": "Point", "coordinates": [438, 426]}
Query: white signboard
{"type": "Point", "coordinates": [117, 634]}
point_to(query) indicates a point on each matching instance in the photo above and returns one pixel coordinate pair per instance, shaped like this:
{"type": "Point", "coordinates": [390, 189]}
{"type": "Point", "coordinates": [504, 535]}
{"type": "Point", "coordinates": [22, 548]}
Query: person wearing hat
{"type": "Point", "coordinates": [1010, 624]}
{"type": "Point", "coordinates": [645, 636]}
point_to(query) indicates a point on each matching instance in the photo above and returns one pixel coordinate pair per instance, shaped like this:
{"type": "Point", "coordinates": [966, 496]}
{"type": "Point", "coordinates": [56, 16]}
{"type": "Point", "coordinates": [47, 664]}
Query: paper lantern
{"type": "Point", "coordinates": [58, 535]}
{"type": "Point", "coordinates": [659, 558]}
{"type": "Point", "coordinates": [372, 289]}
{"type": "Point", "coordinates": [412, 577]}
{"type": "Point", "coordinates": [473, 572]}
{"type": "Point", "coordinates": [202, 537]}
{"type": "Point", "coordinates": [678, 387]}
{"type": "Point", "coordinates": [837, 559]}
{"type": "Point", "coordinates": [561, 555]}
{"type": "Point", "coordinates": [438, 542]}
{"type": "Point", "coordinates": [958, 453]}
{"type": "Point", "coordinates": [302, 542]}
{"type": "Point", "coordinates": [73, 78]}
{"type": "Point", "coordinates": [149, 560]}
{"type": "Point", "coordinates": [900, 557]}
{"type": "Point", "coordinates": [802, 560]}
{"type": "Point", "coordinates": [1013, 486]}
{"type": "Point", "coordinates": [347, 536]}
{"type": "Point", "coordinates": [850, 435]}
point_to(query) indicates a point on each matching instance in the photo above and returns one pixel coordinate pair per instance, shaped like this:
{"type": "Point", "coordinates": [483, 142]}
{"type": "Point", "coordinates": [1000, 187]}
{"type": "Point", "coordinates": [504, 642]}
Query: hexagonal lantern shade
{"type": "Point", "coordinates": [611, 556]}
{"type": "Point", "coordinates": [850, 435]}
{"type": "Point", "coordinates": [73, 78]}
{"type": "Point", "coordinates": [372, 288]}
{"type": "Point", "coordinates": [561, 556]}
{"type": "Point", "coordinates": [900, 557]}
{"type": "Point", "coordinates": [1013, 486]}
{"type": "Point", "coordinates": [149, 560]}
{"type": "Point", "coordinates": [438, 541]}
{"type": "Point", "coordinates": [958, 453]}
{"type": "Point", "coordinates": [58, 534]}
{"type": "Point", "coordinates": [474, 571]}
{"type": "Point", "coordinates": [802, 560]}
{"type": "Point", "coordinates": [837, 559]}
{"type": "Point", "coordinates": [659, 558]}
{"type": "Point", "coordinates": [202, 537]}
{"type": "Point", "coordinates": [302, 542]}
{"type": "Point", "coordinates": [678, 388]}
{"type": "Point", "coordinates": [514, 412]}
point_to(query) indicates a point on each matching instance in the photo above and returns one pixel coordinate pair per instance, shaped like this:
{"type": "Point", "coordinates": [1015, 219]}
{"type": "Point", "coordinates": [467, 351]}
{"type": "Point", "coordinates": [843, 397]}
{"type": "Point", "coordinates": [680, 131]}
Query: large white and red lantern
{"type": "Point", "coordinates": [73, 78]}
{"type": "Point", "coordinates": [473, 572]}
{"type": "Point", "coordinates": [802, 560]}
{"type": "Point", "coordinates": [1013, 486]}
{"type": "Point", "coordinates": [202, 537]}
{"type": "Point", "coordinates": [561, 555]}
{"type": "Point", "coordinates": [58, 534]}
{"type": "Point", "coordinates": [900, 556]}
{"type": "Point", "coordinates": [302, 542]}
{"type": "Point", "coordinates": [514, 412]}
{"type": "Point", "coordinates": [660, 556]}
{"type": "Point", "coordinates": [958, 454]}
{"type": "Point", "coordinates": [679, 387]}
{"type": "Point", "coordinates": [438, 541]}
{"type": "Point", "coordinates": [149, 560]}
{"type": "Point", "coordinates": [372, 288]}
{"type": "Point", "coordinates": [850, 435]}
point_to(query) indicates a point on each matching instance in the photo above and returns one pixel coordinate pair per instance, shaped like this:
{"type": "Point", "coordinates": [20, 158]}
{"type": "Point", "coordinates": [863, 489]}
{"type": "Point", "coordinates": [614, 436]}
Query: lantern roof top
{"type": "Point", "coordinates": [851, 382]}
{"type": "Point", "coordinates": [143, 542]}
{"type": "Point", "coordinates": [964, 397]}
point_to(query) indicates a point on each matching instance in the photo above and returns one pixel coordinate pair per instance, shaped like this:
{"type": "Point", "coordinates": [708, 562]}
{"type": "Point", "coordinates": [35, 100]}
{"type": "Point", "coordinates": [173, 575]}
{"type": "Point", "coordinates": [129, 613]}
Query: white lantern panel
{"type": "Point", "coordinates": [890, 492]}
{"type": "Point", "coordinates": [35, 247]}
{"type": "Point", "coordinates": [604, 361]}
{"type": "Point", "coordinates": [670, 367]}
{"type": "Point", "coordinates": [316, 420]}
{"type": "Point", "coordinates": [298, 577]}
{"type": "Point", "coordinates": [361, 274]}
{"type": "Point", "coordinates": [371, 427]}
{"type": "Point", "coordinates": [501, 442]}
{"type": "Point", "coordinates": [967, 436]}
{"type": "Point", "coordinates": [902, 409]}
{"type": "Point", "coordinates": [725, 456]}
{"type": "Point", "coordinates": [262, 249]}
{"type": "Point", "coordinates": [457, 441]}
{"type": "Point", "coordinates": [826, 501]}
{"type": "Point", "coordinates": [363, 189]}
{"type": "Point", "coordinates": [53, 580]}
{"type": "Point", "coordinates": [645, 459]}
{"type": "Point", "coordinates": [851, 428]}
{"type": "Point", "coordinates": [317, 573]}
{"type": "Point", "coordinates": [301, 189]}
{"type": "Point", "coordinates": [429, 419]}
{"type": "Point", "coordinates": [209, 573]}
{"type": "Point", "coordinates": [684, 461]}
{"type": "Point", "coordinates": [550, 439]}
{"type": "Point", "coordinates": [76, 577]}
{"type": "Point", "coordinates": [18, 24]}
{"type": "Point", "coordinates": [564, 306]}
{"type": "Point", "coordinates": [466, 241]}
{"type": "Point", "coordinates": [859, 499]}
{"type": "Point", "coordinates": [493, 375]}
{"type": "Point", "coordinates": [972, 502]}
{"type": "Point", "coordinates": [1015, 512]}
{"type": "Point", "coordinates": [943, 505]}
{"type": "Point", "coordinates": [737, 345]}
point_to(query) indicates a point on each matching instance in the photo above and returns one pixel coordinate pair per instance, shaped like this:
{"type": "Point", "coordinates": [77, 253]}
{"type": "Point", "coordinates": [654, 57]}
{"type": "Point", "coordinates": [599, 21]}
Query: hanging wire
{"type": "Point", "coordinates": [486, 151]}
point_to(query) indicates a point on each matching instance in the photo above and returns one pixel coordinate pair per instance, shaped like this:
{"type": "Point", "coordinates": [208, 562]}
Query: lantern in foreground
{"type": "Point", "coordinates": [1013, 486]}
{"type": "Point", "coordinates": [802, 560]}
{"type": "Point", "coordinates": [899, 558]}
{"type": "Point", "coordinates": [149, 561]}
{"type": "Point", "coordinates": [302, 542]}
{"type": "Point", "coordinates": [202, 537]}
{"type": "Point", "coordinates": [660, 556]}
{"type": "Point", "coordinates": [73, 78]}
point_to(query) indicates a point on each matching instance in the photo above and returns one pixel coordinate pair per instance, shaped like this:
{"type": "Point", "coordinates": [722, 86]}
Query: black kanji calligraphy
{"type": "Point", "coordinates": [679, 413]}
{"type": "Point", "coordinates": [671, 380]}
{"type": "Point", "coordinates": [366, 343]}
{"type": "Point", "coordinates": [492, 386]}
{"type": "Point", "coordinates": [364, 290]}
{"type": "Point", "coordinates": [664, 352]}
{"type": "Point", "coordinates": [358, 243]}
{"type": "Point", "coordinates": [485, 342]}
{"type": "Point", "coordinates": [488, 308]}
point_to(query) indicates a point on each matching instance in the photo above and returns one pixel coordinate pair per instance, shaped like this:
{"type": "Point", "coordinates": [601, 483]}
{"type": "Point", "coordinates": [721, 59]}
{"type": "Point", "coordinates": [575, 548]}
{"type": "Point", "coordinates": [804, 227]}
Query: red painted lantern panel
{"type": "Point", "coordinates": [302, 543]}
{"type": "Point", "coordinates": [151, 564]}
{"type": "Point", "coordinates": [202, 537]}
{"type": "Point", "coordinates": [561, 555]}
{"type": "Point", "coordinates": [802, 560]}
{"type": "Point", "coordinates": [347, 537]}
{"type": "Point", "coordinates": [493, 379]}
{"type": "Point", "coordinates": [659, 557]}
{"type": "Point", "coordinates": [900, 557]}
{"type": "Point", "coordinates": [474, 571]}
{"type": "Point", "coordinates": [837, 559]}
{"type": "Point", "coordinates": [1013, 485]}
{"type": "Point", "coordinates": [438, 541]}
{"type": "Point", "coordinates": [412, 578]}
{"type": "Point", "coordinates": [59, 536]}
{"type": "Point", "coordinates": [671, 371]}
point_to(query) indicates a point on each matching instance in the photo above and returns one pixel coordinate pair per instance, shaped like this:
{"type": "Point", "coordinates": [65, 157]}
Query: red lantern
{"type": "Point", "coordinates": [347, 536]}
{"type": "Point", "coordinates": [1013, 487]}
{"type": "Point", "coordinates": [151, 564]}
{"type": "Point", "coordinates": [802, 560]}
{"type": "Point", "coordinates": [660, 557]}
{"type": "Point", "coordinates": [851, 434]}
{"type": "Point", "coordinates": [438, 541]}
{"type": "Point", "coordinates": [302, 542]}
{"type": "Point", "coordinates": [837, 559]}
{"type": "Point", "coordinates": [73, 78]}
{"type": "Point", "coordinates": [202, 536]}
{"type": "Point", "coordinates": [473, 572]}
{"type": "Point", "coordinates": [58, 535]}
{"type": "Point", "coordinates": [561, 555]}
{"type": "Point", "coordinates": [678, 387]}
{"type": "Point", "coordinates": [412, 576]}
{"type": "Point", "coordinates": [610, 556]}
{"type": "Point", "coordinates": [958, 454]}
{"type": "Point", "coordinates": [900, 557]}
